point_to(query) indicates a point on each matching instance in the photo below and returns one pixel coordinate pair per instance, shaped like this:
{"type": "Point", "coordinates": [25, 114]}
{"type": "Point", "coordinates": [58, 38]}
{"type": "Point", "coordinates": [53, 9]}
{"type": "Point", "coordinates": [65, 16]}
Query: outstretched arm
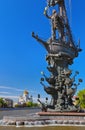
{"type": "Point", "coordinates": [45, 13]}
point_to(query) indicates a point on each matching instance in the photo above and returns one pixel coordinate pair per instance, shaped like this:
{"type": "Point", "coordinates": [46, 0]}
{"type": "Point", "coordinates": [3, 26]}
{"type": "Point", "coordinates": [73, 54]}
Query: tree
{"type": "Point", "coordinates": [29, 104]}
{"type": "Point", "coordinates": [1, 102]}
{"type": "Point", "coordinates": [81, 95]}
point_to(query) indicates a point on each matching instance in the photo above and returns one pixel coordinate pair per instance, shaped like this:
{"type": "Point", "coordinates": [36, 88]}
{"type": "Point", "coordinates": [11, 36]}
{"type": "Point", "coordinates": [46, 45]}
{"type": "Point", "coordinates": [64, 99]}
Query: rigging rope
{"type": "Point", "coordinates": [70, 8]}
{"type": "Point", "coordinates": [68, 4]}
{"type": "Point", "coordinates": [48, 10]}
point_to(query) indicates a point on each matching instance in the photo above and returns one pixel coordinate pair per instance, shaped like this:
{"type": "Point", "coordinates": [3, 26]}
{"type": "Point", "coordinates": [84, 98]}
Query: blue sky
{"type": "Point", "coordinates": [21, 57]}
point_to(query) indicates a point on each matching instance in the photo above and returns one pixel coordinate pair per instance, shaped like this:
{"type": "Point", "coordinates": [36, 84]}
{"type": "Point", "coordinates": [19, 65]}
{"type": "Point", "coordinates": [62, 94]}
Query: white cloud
{"type": "Point", "coordinates": [6, 96]}
{"type": "Point", "coordinates": [5, 93]}
{"type": "Point", "coordinates": [16, 89]}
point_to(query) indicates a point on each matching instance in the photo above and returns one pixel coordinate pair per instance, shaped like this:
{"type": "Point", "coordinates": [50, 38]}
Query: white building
{"type": "Point", "coordinates": [25, 97]}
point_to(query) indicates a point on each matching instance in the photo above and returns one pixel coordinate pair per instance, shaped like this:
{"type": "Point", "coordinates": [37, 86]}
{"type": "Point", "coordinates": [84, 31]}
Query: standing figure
{"type": "Point", "coordinates": [54, 2]}
{"type": "Point", "coordinates": [57, 23]}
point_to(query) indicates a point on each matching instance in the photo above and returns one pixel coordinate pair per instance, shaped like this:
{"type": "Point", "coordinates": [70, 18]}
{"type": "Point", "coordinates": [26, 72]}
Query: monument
{"type": "Point", "coordinates": [62, 86]}
{"type": "Point", "coordinates": [61, 50]}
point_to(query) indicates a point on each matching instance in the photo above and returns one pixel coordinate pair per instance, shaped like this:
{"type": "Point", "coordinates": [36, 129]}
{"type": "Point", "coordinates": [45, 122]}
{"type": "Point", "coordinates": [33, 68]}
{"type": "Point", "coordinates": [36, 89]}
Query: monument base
{"type": "Point", "coordinates": [50, 113]}
{"type": "Point", "coordinates": [46, 119]}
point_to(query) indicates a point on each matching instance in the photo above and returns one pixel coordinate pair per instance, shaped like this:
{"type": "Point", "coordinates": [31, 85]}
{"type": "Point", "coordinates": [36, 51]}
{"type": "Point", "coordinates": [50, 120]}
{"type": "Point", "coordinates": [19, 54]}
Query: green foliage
{"type": "Point", "coordinates": [17, 105]}
{"type": "Point", "coordinates": [5, 104]}
{"type": "Point", "coordinates": [31, 104]}
{"type": "Point", "coordinates": [81, 95]}
{"type": "Point", "coordinates": [1, 102]}
{"type": "Point", "coordinates": [27, 104]}
{"type": "Point", "coordinates": [35, 105]}
{"type": "Point", "coordinates": [20, 105]}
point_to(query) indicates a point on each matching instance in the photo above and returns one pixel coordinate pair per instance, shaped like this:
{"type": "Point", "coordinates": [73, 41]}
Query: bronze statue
{"type": "Point", "coordinates": [54, 2]}
{"type": "Point", "coordinates": [57, 24]}
{"type": "Point", "coordinates": [61, 50]}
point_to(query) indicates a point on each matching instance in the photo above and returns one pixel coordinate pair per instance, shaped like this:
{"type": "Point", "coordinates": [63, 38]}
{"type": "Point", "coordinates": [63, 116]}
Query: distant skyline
{"type": "Point", "coordinates": [22, 58]}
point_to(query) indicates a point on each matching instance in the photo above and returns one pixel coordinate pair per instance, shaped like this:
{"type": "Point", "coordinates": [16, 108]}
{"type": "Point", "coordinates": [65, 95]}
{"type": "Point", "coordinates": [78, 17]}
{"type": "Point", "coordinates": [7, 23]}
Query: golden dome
{"type": "Point", "coordinates": [26, 92]}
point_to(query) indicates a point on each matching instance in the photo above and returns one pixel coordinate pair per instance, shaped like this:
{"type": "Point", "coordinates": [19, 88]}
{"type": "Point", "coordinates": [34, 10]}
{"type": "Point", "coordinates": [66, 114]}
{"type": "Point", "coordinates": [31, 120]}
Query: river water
{"type": "Point", "coordinates": [44, 128]}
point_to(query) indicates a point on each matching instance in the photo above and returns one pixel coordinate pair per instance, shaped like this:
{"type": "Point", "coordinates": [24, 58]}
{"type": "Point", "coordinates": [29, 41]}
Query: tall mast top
{"type": "Point", "coordinates": [61, 40]}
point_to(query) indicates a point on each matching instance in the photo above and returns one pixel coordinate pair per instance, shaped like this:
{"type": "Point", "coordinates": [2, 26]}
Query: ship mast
{"type": "Point", "coordinates": [61, 50]}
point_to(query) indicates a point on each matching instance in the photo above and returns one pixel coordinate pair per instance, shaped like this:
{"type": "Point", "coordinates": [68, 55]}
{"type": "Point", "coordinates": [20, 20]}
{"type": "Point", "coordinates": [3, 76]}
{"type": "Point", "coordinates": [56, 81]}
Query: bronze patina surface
{"type": "Point", "coordinates": [62, 50]}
